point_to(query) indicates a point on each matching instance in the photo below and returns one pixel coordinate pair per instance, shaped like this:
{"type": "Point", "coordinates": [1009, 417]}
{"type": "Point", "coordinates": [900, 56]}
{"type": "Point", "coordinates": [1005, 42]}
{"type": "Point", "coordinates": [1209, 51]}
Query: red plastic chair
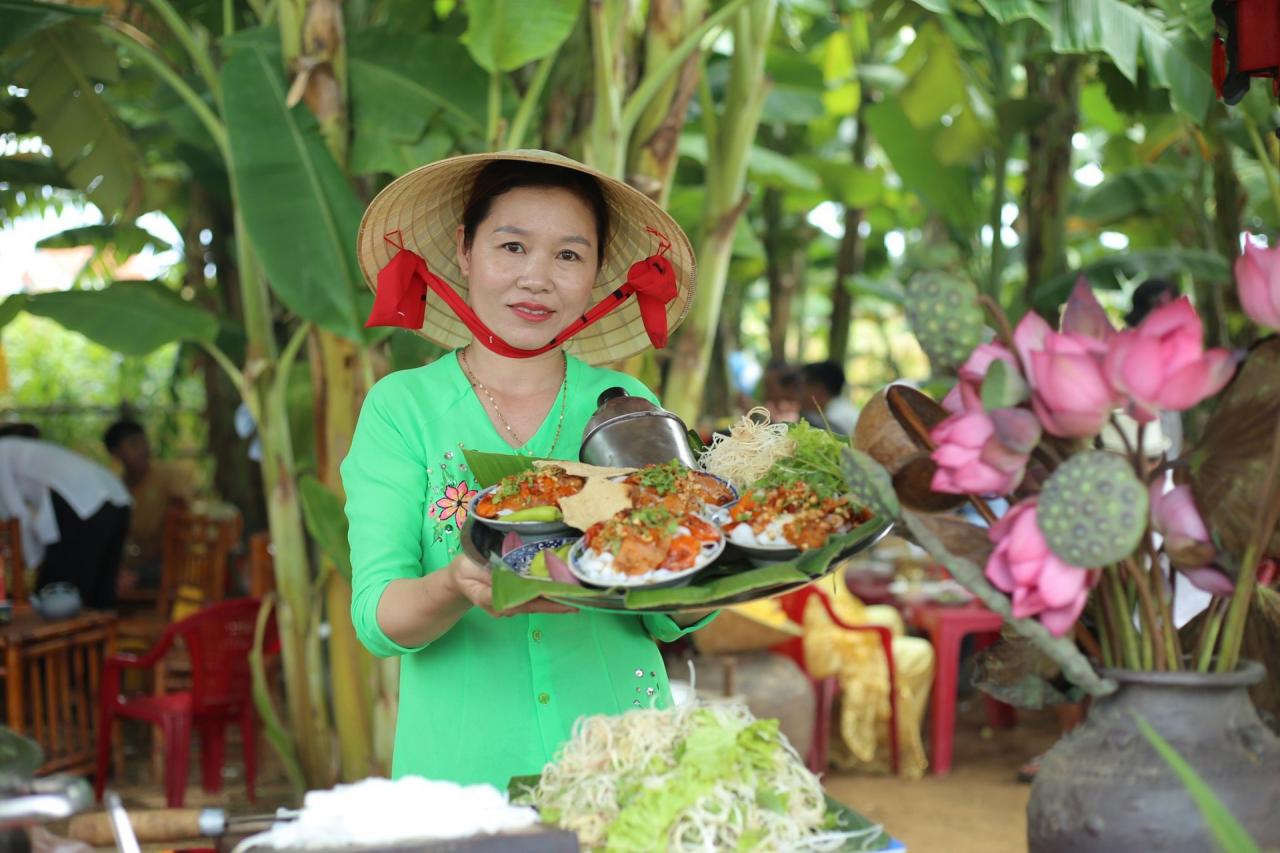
{"type": "Point", "coordinates": [825, 689]}
{"type": "Point", "coordinates": [947, 627]}
{"type": "Point", "coordinates": [218, 640]}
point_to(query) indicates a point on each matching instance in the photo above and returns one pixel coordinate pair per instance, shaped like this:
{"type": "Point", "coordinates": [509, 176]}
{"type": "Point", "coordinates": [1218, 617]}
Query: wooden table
{"type": "Point", "coordinates": [51, 672]}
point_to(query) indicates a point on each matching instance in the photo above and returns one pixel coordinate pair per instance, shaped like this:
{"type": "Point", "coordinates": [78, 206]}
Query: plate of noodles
{"type": "Point", "coordinates": [527, 502]}
{"type": "Point", "coordinates": [646, 546]}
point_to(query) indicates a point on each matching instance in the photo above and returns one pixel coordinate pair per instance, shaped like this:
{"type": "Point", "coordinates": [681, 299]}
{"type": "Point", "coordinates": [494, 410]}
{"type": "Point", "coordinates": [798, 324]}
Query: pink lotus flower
{"type": "Point", "coordinates": [1069, 393]}
{"type": "Point", "coordinates": [1186, 538]}
{"type": "Point", "coordinates": [1258, 280]}
{"type": "Point", "coordinates": [1041, 584]}
{"type": "Point", "coordinates": [1084, 317]}
{"type": "Point", "coordinates": [983, 453]}
{"type": "Point", "coordinates": [966, 396]}
{"type": "Point", "coordinates": [1163, 364]}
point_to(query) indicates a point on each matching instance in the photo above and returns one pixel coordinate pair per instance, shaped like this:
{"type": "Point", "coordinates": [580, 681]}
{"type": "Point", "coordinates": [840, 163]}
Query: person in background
{"type": "Point", "coordinates": [155, 487]}
{"type": "Point", "coordinates": [21, 429]}
{"type": "Point", "coordinates": [74, 515]}
{"type": "Point", "coordinates": [780, 389]}
{"type": "Point", "coordinates": [822, 400]}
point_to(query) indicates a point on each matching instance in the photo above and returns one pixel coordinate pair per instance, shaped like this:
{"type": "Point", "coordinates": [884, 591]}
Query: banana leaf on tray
{"type": "Point", "coordinates": [731, 579]}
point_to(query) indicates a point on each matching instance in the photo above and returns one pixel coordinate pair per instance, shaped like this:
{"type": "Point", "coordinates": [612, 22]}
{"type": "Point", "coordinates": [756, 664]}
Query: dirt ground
{"type": "Point", "coordinates": [979, 807]}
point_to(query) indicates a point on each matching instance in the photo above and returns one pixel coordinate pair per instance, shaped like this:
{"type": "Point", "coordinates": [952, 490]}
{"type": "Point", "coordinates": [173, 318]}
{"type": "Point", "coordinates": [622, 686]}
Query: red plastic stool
{"type": "Point", "coordinates": [947, 627]}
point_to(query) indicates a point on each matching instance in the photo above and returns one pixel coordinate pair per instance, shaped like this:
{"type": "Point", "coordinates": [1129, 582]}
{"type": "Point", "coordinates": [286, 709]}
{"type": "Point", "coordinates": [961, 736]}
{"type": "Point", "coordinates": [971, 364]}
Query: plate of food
{"type": "Point", "coordinates": [679, 489]}
{"type": "Point", "coordinates": [527, 502]}
{"type": "Point", "coordinates": [532, 561]}
{"type": "Point", "coordinates": [773, 524]}
{"type": "Point", "coordinates": [645, 547]}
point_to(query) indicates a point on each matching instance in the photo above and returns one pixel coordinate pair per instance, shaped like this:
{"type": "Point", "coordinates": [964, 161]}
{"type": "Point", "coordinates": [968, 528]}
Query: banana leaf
{"type": "Point", "coordinates": [300, 212]}
{"type": "Point", "coordinates": [131, 318]}
{"type": "Point", "coordinates": [61, 68]}
{"type": "Point", "coordinates": [729, 582]}
{"type": "Point", "coordinates": [489, 468]}
{"type": "Point", "coordinates": [502, 35]}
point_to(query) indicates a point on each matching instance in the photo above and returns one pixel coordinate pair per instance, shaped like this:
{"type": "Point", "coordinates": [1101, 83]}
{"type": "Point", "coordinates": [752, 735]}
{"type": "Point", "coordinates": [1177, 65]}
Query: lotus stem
{"type": "Point", "coordinates": [1003, 329]}
{"type": "Point", "coordinates": [1153, 643]}
{"type": "Point", "coordinates": [1122, 609]}
{"type": "Point", "coordinates": [1169, 633]}
{"type": "Point", "coordinates": [1107, 650]}
{"type": "Point", "coordinates": [1209, 634]}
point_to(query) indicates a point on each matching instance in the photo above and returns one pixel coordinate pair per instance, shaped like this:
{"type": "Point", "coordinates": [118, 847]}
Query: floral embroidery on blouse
{"type": "Point", "coordinates": [455, 502]}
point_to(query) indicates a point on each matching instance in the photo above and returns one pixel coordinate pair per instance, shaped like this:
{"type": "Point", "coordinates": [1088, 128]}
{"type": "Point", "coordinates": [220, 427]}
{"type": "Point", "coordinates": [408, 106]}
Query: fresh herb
{"type": "Point", "coordinates": [816, 461]}
{"type": "Point", "coordinates": [511, 485]}
{"type": "Point", "coordinates": [662, 478]}
{"type": "Point", "coordinates": [655, 517]}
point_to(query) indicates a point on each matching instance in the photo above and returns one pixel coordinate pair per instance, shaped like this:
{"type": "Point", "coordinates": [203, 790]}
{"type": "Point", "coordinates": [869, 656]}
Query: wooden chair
{"type": "Point", "coordinates": [51, 673]}
{"type": "Point", "coordinates": [12, 560]}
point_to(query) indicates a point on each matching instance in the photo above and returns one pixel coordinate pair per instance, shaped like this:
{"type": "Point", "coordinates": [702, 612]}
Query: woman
{"type": "Point", "coordinates": [543, 252]}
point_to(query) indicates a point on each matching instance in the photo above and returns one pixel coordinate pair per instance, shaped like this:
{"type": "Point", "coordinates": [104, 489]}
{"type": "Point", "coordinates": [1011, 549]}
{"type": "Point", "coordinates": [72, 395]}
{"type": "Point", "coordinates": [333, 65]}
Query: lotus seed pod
{"type": "Point", "coordinates": [945, 317]}
{"type": "Point", "coordinates": [1093, 510]}
{"type": "Point", "coordinates": [869, 483]}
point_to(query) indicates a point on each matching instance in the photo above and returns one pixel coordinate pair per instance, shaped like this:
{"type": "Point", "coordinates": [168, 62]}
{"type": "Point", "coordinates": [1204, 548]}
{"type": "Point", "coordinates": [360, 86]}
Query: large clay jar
{"type": "Point", "coordinates": [1103, 786]}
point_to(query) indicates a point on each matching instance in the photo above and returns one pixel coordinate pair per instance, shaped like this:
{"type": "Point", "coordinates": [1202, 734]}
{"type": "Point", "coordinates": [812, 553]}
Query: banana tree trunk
{"type": "Point", "coordinates": [338, 387]}
{"type": "Point", "coordinates": [729, 138]}
{"type": "Point", "coordinates": [298, 612]}
{"type": "Point", "coordinates": [651, 160]}
{"type": "Point", "coordinates": [1054, 81]}
{"type": "Point", "coordinates": [849, 259]}
{"type": "Point", "coordinates": [340, 378]}
{"type": "Point", "coordinates": [604, 146]}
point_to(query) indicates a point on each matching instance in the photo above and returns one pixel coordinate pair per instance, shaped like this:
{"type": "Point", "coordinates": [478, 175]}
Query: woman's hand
{"type": "Point", "coordinates": [475, 583]}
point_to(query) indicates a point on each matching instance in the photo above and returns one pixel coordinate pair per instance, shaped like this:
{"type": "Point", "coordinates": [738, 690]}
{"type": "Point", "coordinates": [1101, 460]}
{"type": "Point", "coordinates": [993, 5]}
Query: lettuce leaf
{"type": "Point", "coordinates": [816, 460]}
{"type": "Point", "coordinates": [715, 749]}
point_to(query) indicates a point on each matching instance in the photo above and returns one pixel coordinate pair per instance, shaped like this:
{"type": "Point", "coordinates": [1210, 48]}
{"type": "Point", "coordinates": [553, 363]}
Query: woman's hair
{"type": "Point", "coordinates": [503, 176]}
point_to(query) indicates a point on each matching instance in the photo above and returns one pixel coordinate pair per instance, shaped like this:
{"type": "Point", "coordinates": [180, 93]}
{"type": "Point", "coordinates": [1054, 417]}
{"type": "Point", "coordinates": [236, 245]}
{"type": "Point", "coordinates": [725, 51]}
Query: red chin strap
{"type": "Point", "coordinates": [401, 300]}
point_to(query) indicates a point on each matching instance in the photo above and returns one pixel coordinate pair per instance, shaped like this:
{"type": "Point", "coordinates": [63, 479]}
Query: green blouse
{"type": "Point", "coordinates": [494, 697]}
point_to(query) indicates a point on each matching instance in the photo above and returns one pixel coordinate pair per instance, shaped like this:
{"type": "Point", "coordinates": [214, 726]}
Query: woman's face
{"type": "Point", "coordinates": [532, 264]}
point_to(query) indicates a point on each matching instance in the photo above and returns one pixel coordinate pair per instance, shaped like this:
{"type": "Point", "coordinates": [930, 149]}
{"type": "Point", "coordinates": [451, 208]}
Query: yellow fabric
{"type": "Point", "coordinates": [857, 661]}
{"type": "Point", "coordinates": [165, 484]}
{"type": "Point", "coordinates": [766, 611]}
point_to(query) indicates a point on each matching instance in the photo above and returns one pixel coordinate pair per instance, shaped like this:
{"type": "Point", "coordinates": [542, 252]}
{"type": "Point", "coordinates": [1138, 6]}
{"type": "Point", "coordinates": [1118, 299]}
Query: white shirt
{"type": "Point", "coordinates": [31, 470]}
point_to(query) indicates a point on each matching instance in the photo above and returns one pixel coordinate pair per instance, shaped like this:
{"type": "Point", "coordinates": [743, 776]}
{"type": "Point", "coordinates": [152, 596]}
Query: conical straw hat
{"type": "Point", "coordinates": [426, 205]}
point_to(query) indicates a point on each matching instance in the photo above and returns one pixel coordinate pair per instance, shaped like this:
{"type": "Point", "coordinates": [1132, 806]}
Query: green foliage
{"type": "Point", "coordinates": [948, 189]}
{"type": "Point", "coordinates": [326, 522]}
{"type": "Point", "coordinates": [414, 96]}
{"type": "Point", "coordinates": [132, 318]}
{"type": "Point", "coordinates": [301, 214]}
{"type": "Point", "coordinates": [73, 388]}
{"type": "Point", "coordinates": [503, 35]}
{"type": "Point", "coordinates": [63, 69]}
{"type": "Point", "coordinates": [815, 460]}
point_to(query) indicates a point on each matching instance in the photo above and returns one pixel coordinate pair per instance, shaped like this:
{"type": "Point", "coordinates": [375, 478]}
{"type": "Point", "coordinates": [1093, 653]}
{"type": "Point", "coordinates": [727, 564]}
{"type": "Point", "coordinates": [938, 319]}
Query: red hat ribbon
{"type": "Point", "coordinates": [401, 299]}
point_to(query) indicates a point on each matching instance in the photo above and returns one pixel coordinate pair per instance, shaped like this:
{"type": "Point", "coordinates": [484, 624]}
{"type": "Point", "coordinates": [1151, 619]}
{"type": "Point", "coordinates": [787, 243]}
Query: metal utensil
{"type": "Point", "coordinates": [631, 432]}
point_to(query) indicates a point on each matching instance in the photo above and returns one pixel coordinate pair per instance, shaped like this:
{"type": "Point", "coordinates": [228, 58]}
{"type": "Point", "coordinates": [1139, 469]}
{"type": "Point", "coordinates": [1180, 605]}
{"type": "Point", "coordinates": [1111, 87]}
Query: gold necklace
{"type": "Point", "coordinates": [497, 410]}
